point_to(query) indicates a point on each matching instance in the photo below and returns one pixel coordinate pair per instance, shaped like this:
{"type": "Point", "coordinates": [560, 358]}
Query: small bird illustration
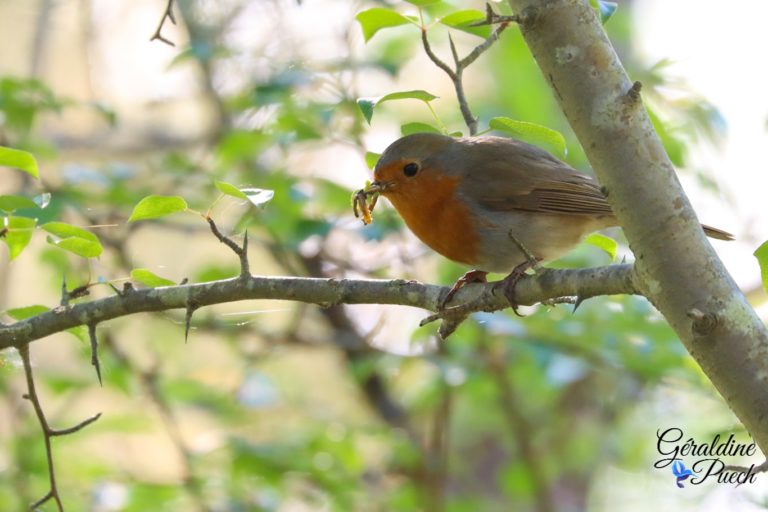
{"type": "Point", "coordinates": [490, 202]}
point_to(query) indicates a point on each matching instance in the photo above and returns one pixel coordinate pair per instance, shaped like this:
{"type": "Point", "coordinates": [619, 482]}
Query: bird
{"type": "Point", "coordinates": [495, 204]}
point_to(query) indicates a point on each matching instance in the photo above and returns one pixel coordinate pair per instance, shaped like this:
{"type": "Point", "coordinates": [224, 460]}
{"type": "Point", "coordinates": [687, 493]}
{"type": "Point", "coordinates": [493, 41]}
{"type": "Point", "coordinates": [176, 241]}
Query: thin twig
{"type": "Point", "coordinates": [479, 49]}
{"type": "Point", "coordinates": [48, 432]}
{"type": "Point", "coordinates": [456, 74]}
{"type": "Point", "coordinates": [242, 252]}
{"type": "Point", "coordinates": [167, 15]}
{"type": "Point", "coordinates": [760, 468]}
{"type": "Point", "coordinates": [434, 58]}
{"type": "Point", "coordinates": [492, 18]}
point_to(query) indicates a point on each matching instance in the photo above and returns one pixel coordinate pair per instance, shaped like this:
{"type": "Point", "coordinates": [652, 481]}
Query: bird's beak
{"type": "Point", "coordinates": [379, 186]}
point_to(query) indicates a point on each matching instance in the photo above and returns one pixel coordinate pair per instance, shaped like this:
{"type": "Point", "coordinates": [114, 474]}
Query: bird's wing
{"type": "Point", "coordinates": [518, 176]}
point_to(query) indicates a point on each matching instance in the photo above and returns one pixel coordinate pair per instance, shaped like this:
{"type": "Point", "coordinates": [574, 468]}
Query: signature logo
{"type": "Point", "coordinates": [681, 472]}
{"type": "Point", "coordinates": [705, 458]}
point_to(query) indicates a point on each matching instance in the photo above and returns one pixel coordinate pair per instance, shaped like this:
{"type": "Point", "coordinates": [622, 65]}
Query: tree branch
{"type": "Point", "coordinates": [677, 269]}
{"type": "Point", "coordinates": [552, 283]}
{"type": "Point", "coordinates": [167, 15]}
{"type": "Point", "coordinates": [456, 75]}
{"type": "Point", "coordinates": [48, 431]}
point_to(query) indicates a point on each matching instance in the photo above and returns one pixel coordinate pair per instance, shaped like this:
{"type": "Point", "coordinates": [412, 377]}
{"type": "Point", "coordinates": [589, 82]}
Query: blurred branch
{"type": "Point", "coordinates": [148, 380]}
{"type": "Point", "coordinates": [48, 432]}
{"type": "Point", "coordinates": [167, 15]}
{"type": "Point", "coordinates": [354, 344]}
{"type": "Point", "coordinates": [437, 457]}
{"type": "Point", "coordinates": [519, 426]}
{"type": "Point", "coordinates": [590, 282]}
{"type": "Point", "coordinates": [42, 33]}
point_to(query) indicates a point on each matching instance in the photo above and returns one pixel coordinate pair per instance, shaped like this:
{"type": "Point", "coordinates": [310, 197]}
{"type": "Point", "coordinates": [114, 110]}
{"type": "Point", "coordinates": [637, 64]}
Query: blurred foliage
{"type": "Point", "coordinates": [299, 407]}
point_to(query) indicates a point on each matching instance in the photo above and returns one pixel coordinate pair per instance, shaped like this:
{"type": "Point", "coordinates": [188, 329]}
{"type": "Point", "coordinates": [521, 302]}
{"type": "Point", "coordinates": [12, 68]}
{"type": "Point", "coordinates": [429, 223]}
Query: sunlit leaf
{"type": "Point", "coordinates": [603, 242]}
{"type": "Point", "coordinates": [367, 104]}
{"type": "Point", "coordinates": [73, 239]}
{"type": "Point", "coordinates": [18, 233]}
{"type": "Point", "coordinates": [410, 128]}
{"type": "Point", "coordinates": [762, 259]}
{"type": "Point", "coordinates": [258, 196]}
{"type": "Point", "coordinates": [149, 278]}
{"type": "Point", "coordinates": [18, 159]}
{"type": "Point", "coordinates": [13, 203]}
{"type": "Point", "coordinates": [371, 158]}
{"type": "Point", "coordinates": [64, 230]}
{"type": "Point", "coordinates": [373, 20]}
{"type": "Point", "coordinates": [461, 20]}
{"type": "Point", "coordinates": [152, 207]}
{"type": "Point", "coordinates": [26, 312]}
{"type": "Point", "coordinates": [80, 246]}
{"type": "Point", "coordinates": [531, 132]}
{"type": "Point", "coordinates": [230, 190]}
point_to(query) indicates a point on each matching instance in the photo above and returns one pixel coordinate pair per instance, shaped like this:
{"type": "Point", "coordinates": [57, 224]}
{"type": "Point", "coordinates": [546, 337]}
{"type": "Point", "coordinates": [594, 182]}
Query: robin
{"type": "Point", "coordinates": [492, 203]}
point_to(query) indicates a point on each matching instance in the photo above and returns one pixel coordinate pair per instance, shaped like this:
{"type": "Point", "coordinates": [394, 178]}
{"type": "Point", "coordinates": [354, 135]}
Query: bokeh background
{"type": "Point", "coordinates": [288, 407]}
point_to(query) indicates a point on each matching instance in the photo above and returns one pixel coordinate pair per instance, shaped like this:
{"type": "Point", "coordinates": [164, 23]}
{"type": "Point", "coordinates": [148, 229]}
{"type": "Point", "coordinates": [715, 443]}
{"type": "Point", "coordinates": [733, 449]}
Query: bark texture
{"type": "Point", "coordinates": [676, 267]}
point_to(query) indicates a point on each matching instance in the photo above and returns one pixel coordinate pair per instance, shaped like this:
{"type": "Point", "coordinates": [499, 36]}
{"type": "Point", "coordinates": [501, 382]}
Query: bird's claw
{"type": "Point", "coordinates": [473, 276]}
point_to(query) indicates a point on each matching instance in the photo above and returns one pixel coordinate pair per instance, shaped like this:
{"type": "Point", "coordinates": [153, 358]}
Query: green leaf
{"type": "Point", "coordinates": [230, 190]}
{"type": "Point", "coordinates": [18, 234]}
{"type": "Point", "coordinates": [150, 279]}
{"type": "Point", "coordinates": [367, 104]}
{"type": "Point", "coordinates": [371, 158]}
{"type": "Point", "coordinates": [73, 239]}
{"type": "Point", "coordinates": [80, 246]}
{"type": "Point", "coordinates": [258, 196]}
{"type": "Point", "coordinates": [12, 203]}
{"type": "Point", "coordinates": [19, 160]}
{"type": "Point", "coordinates": [152, 207]}
{"type": "Point", "coordinates": [373, 20]}
{"type": "Point", "coordinates": [531, 132]}
{"type": "Point", "coordinates": [64, 230]}
{"type": "Point", "coordinates": [603, 242]}
{"type": "Point", "coordinates": [80, 332]}
{"type": "Point", "coordinates": [461, 20]}
{"type": "Point", "coordinates": [410, 128]}
{"type": "Point", "coordinates": [762, 258]}
{"type": "Point", "coordinates": [604, 9]}
{"type": "Point", "coordinates": [26, 312]}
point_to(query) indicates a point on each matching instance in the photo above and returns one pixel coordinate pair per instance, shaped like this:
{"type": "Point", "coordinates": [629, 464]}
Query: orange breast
{"type": "Point", "coordinates": [431, 209]}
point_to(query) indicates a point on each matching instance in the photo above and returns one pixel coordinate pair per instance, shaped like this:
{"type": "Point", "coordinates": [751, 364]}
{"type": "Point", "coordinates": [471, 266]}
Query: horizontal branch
{"type": "Point", "coordinates": [549, 284]}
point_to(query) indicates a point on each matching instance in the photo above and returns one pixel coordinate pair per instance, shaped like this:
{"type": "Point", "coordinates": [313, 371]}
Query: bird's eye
{"type": "Point", "coordinates": [410, 169]}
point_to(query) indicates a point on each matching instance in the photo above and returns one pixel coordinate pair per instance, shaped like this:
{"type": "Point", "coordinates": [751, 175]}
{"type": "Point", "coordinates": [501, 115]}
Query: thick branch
{"type": "Point", "coordinates": [610, 280]}
{"type": "Point", "coordinates": [677, 268]}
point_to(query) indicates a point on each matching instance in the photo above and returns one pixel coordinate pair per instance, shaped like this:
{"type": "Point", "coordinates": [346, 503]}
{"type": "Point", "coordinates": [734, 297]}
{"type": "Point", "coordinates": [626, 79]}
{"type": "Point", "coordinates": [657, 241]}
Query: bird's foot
{"type": "Point", "coordinates": [509, 283]}
{"type": "Point", "coordinates": [473, 276]}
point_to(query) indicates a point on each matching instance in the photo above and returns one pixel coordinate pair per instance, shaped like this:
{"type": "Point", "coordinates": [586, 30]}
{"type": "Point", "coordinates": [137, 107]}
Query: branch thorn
{"type": "Point", "coordinates": [95, 351]}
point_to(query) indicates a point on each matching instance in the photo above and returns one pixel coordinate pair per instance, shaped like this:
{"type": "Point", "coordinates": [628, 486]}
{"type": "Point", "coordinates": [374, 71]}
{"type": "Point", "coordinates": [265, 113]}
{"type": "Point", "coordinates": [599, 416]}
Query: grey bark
{"type": "Point", "coordinates": [676, 268]}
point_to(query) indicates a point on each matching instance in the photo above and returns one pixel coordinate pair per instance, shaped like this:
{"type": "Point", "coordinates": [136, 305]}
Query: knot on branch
{"type": "Point", "coordinates": [702, 323]}
{"type": "Point", "coordinates": [633, 94]}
